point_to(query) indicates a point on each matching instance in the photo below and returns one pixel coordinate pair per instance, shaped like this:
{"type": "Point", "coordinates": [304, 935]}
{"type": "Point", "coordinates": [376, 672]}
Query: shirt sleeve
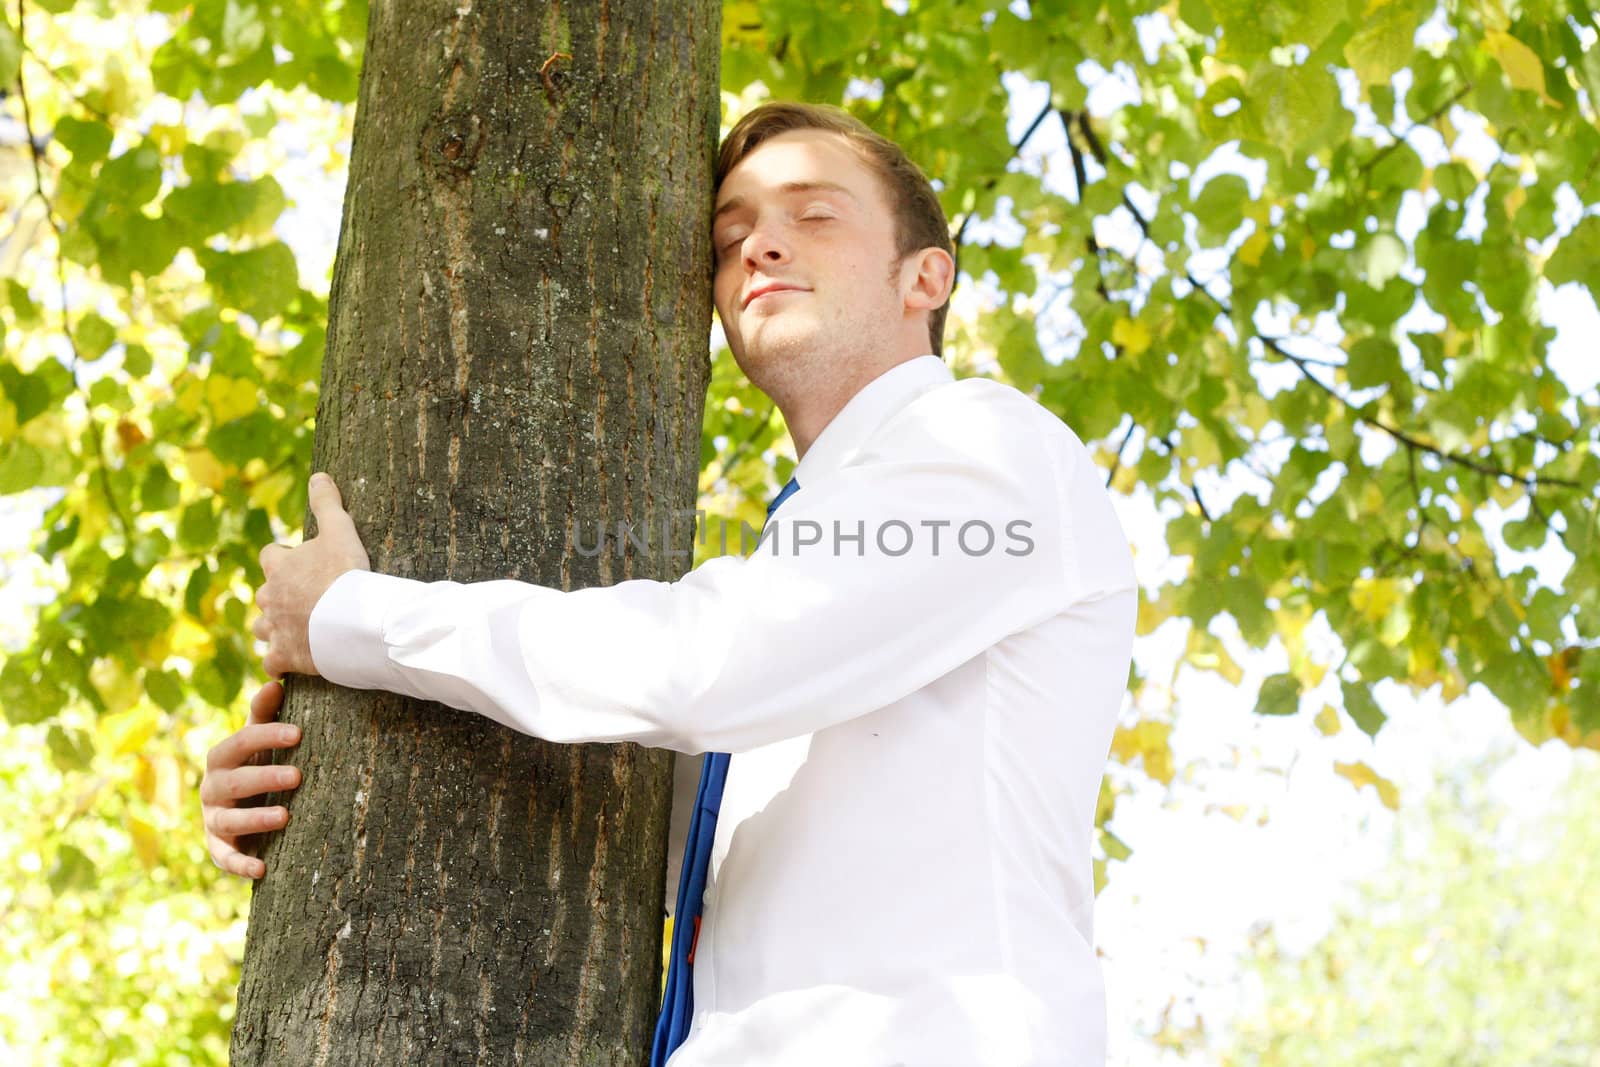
{"type": "Point", "coordinates": [917, 555]}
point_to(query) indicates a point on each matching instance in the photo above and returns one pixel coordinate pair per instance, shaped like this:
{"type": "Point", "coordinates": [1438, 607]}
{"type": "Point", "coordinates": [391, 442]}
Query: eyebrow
{"type": "Point", "coordinates": [738, 202]}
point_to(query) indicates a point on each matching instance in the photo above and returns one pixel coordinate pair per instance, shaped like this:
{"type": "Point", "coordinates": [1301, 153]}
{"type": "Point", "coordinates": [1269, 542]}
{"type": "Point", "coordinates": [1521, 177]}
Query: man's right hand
{"type": "Point", "coordinates": [231, 777]}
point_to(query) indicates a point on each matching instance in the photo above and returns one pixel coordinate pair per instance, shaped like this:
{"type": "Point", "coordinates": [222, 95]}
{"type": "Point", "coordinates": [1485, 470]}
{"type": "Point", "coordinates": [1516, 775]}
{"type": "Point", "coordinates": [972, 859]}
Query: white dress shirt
{"type": "Point", "coordinates": [901, 872]}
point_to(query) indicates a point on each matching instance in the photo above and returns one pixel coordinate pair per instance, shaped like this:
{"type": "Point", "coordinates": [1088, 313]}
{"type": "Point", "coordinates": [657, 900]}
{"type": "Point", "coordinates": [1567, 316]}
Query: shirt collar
{"type": "Point", "coordinates": [869, 409]}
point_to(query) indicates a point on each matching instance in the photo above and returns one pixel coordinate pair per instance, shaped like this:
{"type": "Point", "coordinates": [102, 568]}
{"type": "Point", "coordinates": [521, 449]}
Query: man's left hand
{"type": "Point", "coordinates": [296, 578]}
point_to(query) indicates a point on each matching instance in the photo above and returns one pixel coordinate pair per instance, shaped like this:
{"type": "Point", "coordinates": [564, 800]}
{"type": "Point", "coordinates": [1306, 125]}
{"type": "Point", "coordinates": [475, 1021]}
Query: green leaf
{"type": "Point", "coordinates": [260, 282]}
{"type": "Point", "coordinates": [245, 438]}
{"type": "Point", "coordinates": [1280, 695]}
{"type": "Point", "coordinates": [165, 688]}
{"type": "Point", "coordinates": [158, 492]}
{"type": "Point", "coordinates": [194, 591]}
{"type": "Point", "coordinates": [1373, 361]}
{"type": "Point", "coordinates": [30, 394]}
{"type": "Point", "coordinates": [93, 336]}
{"type": "Point", "coordinates": [1289, 105]}
{"type": "Point", "coordinates": [60, 537]}
{"type": "Point", "coordinates": [26, 695]}
{"type": "Point", "coordinates": [70, 750]}
{"type": "Point", "coordinates": [22, 304]}
{"type": "Point", "coordinates": [21, 466]}
{"type": "Point", "coordinates": [132, 178]}
{"type": "Point", "coordinates": [1381, 258]}
{"type": "Point", "coordinates": [1362, 707]}
{"type": "Point", "coordinates": [136, 360]}
{"type": "Point", "coordinates": [87, 139]}
{"type": "Point", "coordinates": [1577, 258]}
{"type": "Point", "coordinates": [204, 208]}
{"type": "Point", "coordinates": [1383, 42]}
{"type": "Point", "coordinates": [1220, 206]}
{"type": "Point", "coordinates": [72, 870]}
{"type": "Point", "coordinates": [1455, 181]}
{"type": "Point", "coordinates": [198, 526]}
{"type": "Point", "coordinates": [10, 53]}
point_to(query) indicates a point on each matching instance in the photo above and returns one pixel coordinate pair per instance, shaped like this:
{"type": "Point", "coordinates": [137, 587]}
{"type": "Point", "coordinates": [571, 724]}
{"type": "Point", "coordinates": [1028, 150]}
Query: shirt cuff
{"type": "Point", "coordinates": [345, 630]}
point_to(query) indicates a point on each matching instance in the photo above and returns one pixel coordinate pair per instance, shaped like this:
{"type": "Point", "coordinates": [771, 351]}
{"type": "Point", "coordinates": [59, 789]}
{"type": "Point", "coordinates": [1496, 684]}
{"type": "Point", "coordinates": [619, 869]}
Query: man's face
{"type": "Point", "coordinates": [804, 243]}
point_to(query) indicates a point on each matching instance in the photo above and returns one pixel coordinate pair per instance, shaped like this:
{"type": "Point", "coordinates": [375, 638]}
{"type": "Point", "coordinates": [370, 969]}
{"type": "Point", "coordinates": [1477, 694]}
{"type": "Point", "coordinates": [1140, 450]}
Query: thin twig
{"type": "Point", "coordinates": [37, 157]}
{"type": "Point", "coordinates": [1529, 481]}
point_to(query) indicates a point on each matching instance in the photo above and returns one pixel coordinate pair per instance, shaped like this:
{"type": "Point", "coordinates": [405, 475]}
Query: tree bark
{"type": "Point", "coordinates": [517, 345]}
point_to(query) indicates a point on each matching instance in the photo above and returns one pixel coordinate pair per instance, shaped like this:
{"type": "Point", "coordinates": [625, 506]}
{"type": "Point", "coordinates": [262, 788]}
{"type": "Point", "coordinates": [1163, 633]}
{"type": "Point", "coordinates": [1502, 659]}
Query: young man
{"type": "Point", "coordinates": [918, 677]}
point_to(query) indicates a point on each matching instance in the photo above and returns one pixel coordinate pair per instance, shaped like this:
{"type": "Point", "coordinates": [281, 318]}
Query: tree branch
{"type": "Point", "coordinates": [1016, 150]}
{"type": "Point", "coordinates": [1400, 138]}
{"type": "Point", "coordinates": [1529, 481]}
{"type": "Point", "coordinates": [36, 154]}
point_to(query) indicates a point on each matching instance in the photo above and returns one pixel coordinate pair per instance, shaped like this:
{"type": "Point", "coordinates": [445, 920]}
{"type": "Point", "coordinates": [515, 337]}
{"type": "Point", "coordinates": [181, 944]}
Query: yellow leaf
{"type": "Point", "coordinates": [205, 468]}
{"type": "Point", "coordinates": [146, 842]}
{"type": "Point", "coordinates": [1207, 652]}
{"type": "Point", "coordinates": [191, 640]}
{"type": "Point", "coordinates": [1256, 412]}
{"type": "Point", "coordinates": [1309, 671]}
{"type": "Point", "coordinates": [1327, 720]}
{"type": "Point", "coordinates": [170, 139]}
{"type": "Point", "coordinates": [191, 394]}
{"type": "Point", "coordinates": [1251, 251]}
{"type": "Point", "coordinates": [230, 397]}
{"type": "Point", "coordinates": [268, 491]}
{"type": "Point", "coordinates": [1152, 613]}
{"type": "Point", "coordinates": [1308, 248]}
{"type": "Point", "coordinates": [1521, 64]}
{"type": "Point", "coordinates": [144, 778]}
{"type": "Point", "coordinates": [1374, 597]}
{"type": "Point", "coordinates": [1547, 396]}
{"type": "Point", "coordinates": [1125, 479]}
{"type": "Point", "coordinates": [1236, 812]}
{"type": "Point", "coordinates": [1359, 774]}
{"type": "Point", "coordinates": [1148, 742]}
{"type": "Point", "coordinates": [8, 419]}
{"type": "Point", "coordinates": [130, 731]}
{"type": "Point", "coordinates": [1134, 337]}
{"type": "Point", "coordinates": [119, 688]}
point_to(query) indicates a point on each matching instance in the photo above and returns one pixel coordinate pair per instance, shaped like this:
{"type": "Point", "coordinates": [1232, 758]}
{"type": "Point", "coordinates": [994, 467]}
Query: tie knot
{"type": "Point", "coordinates": [782, 496]}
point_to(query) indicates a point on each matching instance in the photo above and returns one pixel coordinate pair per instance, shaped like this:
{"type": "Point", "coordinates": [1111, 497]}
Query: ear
{"type": "Point", "coordinates": [927, 278]}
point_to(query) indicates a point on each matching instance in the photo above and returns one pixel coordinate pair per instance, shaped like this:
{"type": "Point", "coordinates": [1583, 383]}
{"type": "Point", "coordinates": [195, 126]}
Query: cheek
{"type": "Point", "coordinates": [721, 290]}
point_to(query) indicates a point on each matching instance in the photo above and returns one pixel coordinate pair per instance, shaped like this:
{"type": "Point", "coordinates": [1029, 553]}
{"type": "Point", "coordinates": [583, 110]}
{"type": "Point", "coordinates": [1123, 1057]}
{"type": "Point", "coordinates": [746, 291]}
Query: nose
{"type": "Point", "coordinates": [764, 247]}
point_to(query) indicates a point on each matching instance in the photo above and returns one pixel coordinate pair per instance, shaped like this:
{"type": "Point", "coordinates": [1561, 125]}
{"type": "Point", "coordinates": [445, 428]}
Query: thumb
{"type": "Point", "coordinates": [326, 504]}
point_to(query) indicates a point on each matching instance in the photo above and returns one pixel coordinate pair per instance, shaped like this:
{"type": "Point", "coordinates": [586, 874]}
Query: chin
{"type": "Point", "coordinates": [775, 343]}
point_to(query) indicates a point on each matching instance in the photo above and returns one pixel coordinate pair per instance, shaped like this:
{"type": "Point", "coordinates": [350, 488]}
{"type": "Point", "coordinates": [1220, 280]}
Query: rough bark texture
{"type": "Point", "coordinates": [516, 344]}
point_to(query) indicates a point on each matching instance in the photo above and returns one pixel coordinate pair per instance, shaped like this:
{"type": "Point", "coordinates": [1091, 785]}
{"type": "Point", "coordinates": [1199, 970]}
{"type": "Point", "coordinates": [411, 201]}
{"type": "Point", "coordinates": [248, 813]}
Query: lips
{"type": "Point", "coordinates": [770, 287]}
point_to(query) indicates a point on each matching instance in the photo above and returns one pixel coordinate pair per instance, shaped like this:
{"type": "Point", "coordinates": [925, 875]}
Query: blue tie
{"type": "Point", "coordinates": [677, 1007]}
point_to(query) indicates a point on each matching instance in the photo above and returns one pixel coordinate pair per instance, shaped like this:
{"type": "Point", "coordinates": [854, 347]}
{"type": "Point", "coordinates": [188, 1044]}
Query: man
{"type": "Point", "coordinates": [917, 675]}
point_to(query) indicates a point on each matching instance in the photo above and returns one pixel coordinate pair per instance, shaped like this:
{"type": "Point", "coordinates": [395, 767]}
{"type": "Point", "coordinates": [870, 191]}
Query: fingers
{"type": "Point", "coordinates": [239, 747]}
{"type": "Point", "coordinates": [327, 505]}
{"type": "Point", "coordinates": [268, 699]}
{"type": "Point", "coordinates": [220, 789]}
{"type": "Point", "coordinates": [276, 662]}
{"type": "Point", "coordinates": [230, 823]}
{"type": "Point", "coordinates": [269, 556]}
{"type": "Point", "coordinates": [231, 860]}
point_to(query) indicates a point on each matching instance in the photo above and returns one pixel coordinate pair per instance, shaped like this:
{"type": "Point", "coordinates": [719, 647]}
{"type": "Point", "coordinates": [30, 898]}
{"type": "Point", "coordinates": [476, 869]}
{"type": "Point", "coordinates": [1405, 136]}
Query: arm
{"type": "Point", "coordinates": [742, 652]}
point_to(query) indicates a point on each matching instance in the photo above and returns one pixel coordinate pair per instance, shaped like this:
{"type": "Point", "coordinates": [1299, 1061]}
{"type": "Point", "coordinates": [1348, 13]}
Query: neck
{"type": "Point", "coordinates": [808, 406]}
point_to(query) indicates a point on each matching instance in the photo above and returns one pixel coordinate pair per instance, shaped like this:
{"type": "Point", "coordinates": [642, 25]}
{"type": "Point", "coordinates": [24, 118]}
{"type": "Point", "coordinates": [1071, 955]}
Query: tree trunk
{"type": "Point", "coordinates": [516, 345]}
